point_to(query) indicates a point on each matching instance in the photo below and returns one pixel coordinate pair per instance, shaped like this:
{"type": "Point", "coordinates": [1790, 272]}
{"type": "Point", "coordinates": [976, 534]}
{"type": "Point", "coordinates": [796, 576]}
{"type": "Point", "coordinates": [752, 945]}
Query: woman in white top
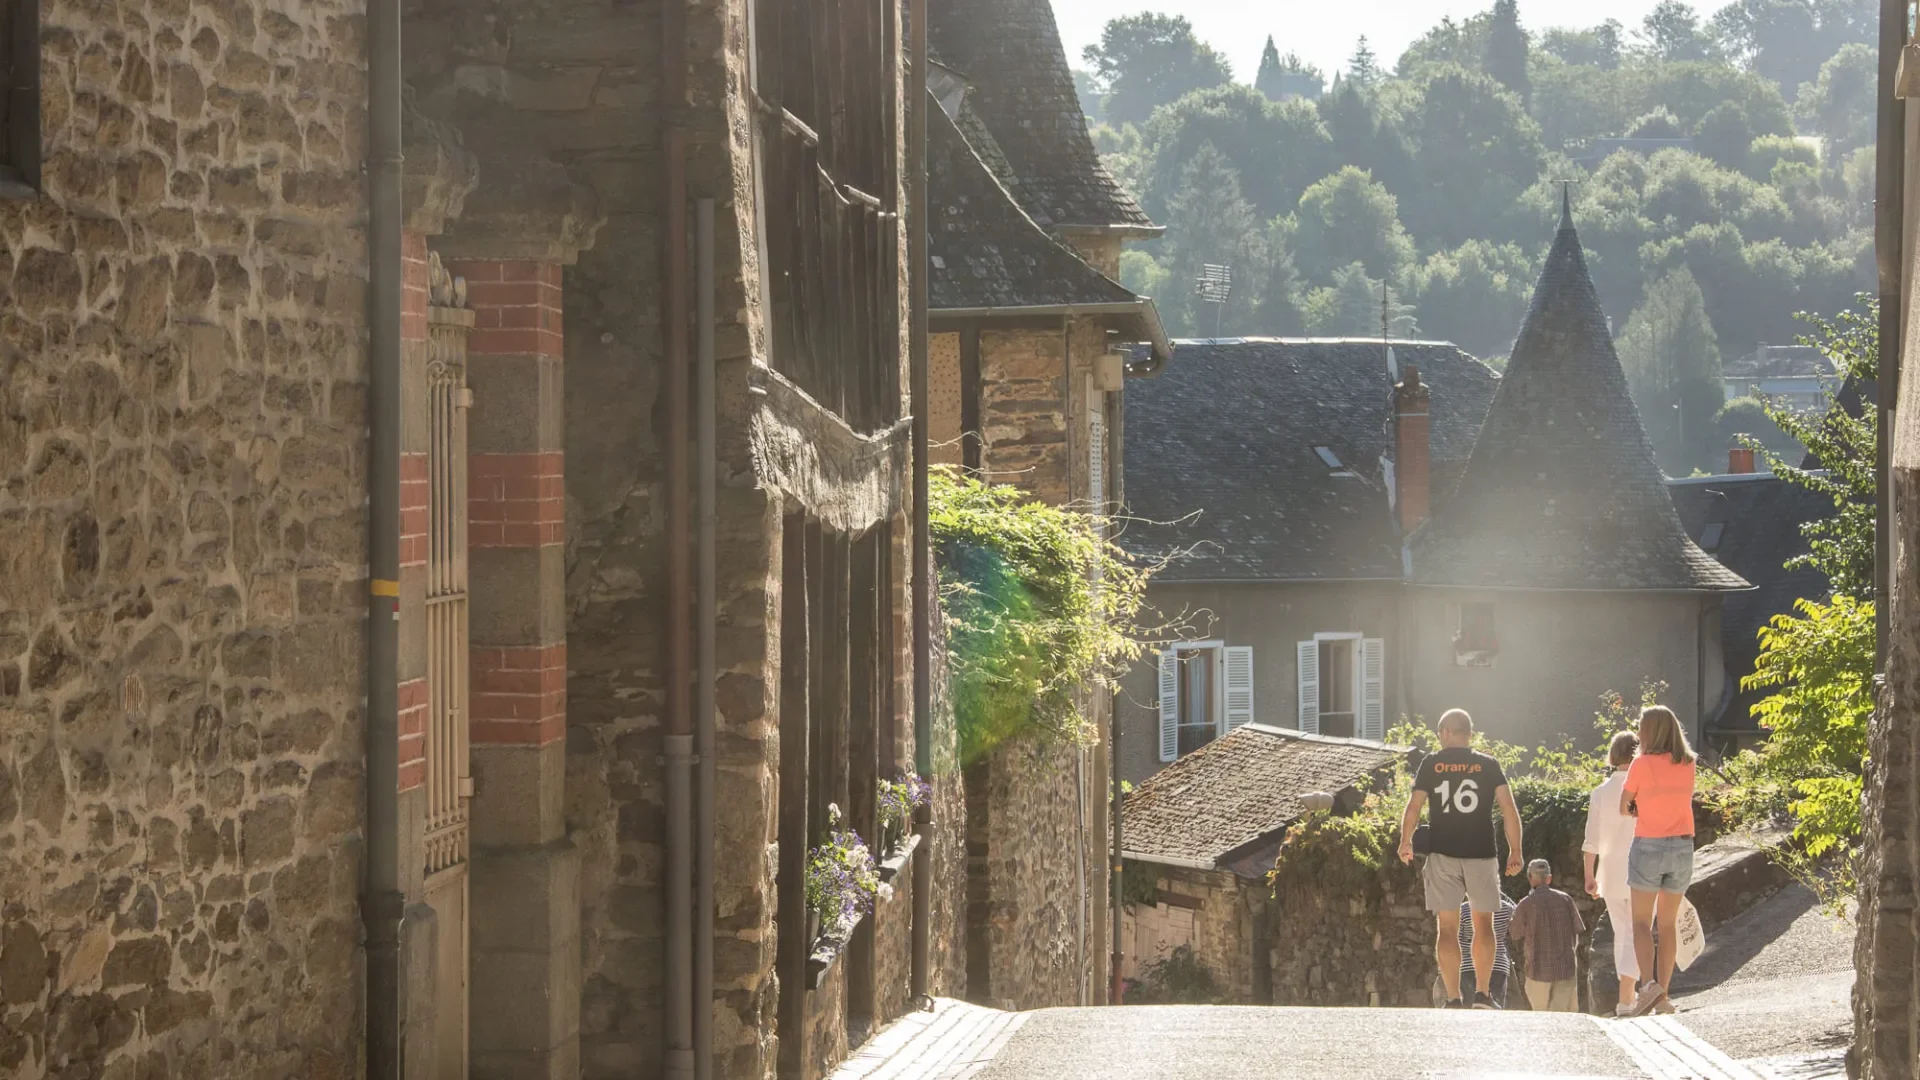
{"type": "Point", "coordinates": [1609, 835]}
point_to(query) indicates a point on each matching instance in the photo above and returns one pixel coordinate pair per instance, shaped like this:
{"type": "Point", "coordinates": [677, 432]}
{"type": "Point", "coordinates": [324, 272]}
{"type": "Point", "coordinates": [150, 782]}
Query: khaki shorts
{"type": "Point", "coordinates": [1450, 880]}
{"type": "Point", "coordinates": [1562, 996]}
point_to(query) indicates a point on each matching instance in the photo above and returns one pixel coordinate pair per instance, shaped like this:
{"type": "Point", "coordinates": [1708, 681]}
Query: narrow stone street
{"type": "Point", "coordinates": [1768, 1000]}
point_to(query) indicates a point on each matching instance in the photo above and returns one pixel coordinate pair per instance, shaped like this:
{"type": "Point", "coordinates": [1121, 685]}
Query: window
{"type": "Point", "coordinates": [1474, 641]}
{"type": "Point", "coordinates": [1710, 536]}
{"type": "Point", "coordinates": [1332, 461]}
{"type": "Point", "coordinates": [1336, 687]}
{"type": "Point", "coordinates": [1206, 690]}
{"type": "Point", "coordinates": [19, 98]}
{"type": "Point", "coordinates": [1342, 686]}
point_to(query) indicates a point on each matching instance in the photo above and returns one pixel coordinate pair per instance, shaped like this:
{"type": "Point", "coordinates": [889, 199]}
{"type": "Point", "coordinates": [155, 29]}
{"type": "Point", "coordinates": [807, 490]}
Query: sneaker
{"type": "Point", "coordinates": [1664, 1006]}
{"type": "Point", "coordinates": [1623, 1011]}
{"type": "Point", "coordinates": [1482, 1001]}
{"type": "Point", "coordinates": [1454, 1003]}
{"type": "Point", "coordinates": [1649, 995]}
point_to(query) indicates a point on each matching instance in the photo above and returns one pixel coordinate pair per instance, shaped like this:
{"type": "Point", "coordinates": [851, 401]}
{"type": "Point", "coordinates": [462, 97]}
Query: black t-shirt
{"type": "Point", "coordinates": [1460, 784]}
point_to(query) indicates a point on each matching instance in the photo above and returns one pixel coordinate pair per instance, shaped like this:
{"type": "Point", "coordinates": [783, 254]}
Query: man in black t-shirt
{"type": "Point", "coordinates": [1462, 785]}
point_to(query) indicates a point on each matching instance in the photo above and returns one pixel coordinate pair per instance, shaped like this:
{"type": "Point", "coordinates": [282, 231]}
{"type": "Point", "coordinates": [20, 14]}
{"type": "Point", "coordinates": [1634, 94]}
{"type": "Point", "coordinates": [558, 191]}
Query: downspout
{"type": "Point", "coordinates": [1116, 445]}
{"type": "Point", "coordinates": [383, 903]}
{"type": "Point", "coordinates": [705, 712]}
{"type": "Point", "coordinates": [678, 743]}
{"type": "Point", "coordinates": [1080, 753]}
{"type": "Point", "coordinates": [1889, 196]}
{"type": "Point", "coordinates": [922, 529]}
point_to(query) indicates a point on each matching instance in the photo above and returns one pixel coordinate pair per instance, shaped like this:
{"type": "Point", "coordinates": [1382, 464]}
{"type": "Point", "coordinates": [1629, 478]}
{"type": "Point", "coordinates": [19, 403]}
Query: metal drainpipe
{"type": "Point", "coordinates": [922, 531]}
{"type": "Point", "coordinates": [705, 712]}
{"type": "Point", "coordinates": [382, 906]}
{"type": "Point", "coordinates": [678, 743]}
{"type": "Point", "coordinates": [1889, 199]}
{"type": "Point", "coordinates": [1117, 442]}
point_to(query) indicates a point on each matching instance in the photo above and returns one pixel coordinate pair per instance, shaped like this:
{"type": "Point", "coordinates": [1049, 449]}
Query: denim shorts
{"type": "Point", "coordinates": [1660, 864]}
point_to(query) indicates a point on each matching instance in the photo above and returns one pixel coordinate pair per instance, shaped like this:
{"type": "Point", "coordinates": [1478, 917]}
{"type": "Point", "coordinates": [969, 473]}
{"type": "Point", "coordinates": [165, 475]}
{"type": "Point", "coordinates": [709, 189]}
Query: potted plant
{"type": "Point", "coordinates": [841, 881]}
{"type": "Point", "coordinates": [898, 799]}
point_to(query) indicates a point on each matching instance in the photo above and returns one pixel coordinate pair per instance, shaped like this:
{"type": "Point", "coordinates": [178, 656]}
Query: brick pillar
{"type": "Point", "coordinates": [1411, 450]}
{"type": "Point", "coordinates": [525, 899]}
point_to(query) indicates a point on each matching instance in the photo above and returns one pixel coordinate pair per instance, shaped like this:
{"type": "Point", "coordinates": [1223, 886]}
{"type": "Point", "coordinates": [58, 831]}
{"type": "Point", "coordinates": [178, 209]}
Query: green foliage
{"type": "Point", "coordinates": [1139, 884]}
{"type": "Point", "coordinates": [1672, 361]}
{"type": "Point", "coordinates": [1467, 144]}
{"type": "Point", "coordinates": [1350, 307]}
{"type": "Point", "coordinates": [1821, 665]}
{"type": "Point", "coordinates": [1347, 218]}
{"type": "Point", "coordinates": [1745, 419]}
{"type": "Point", "coordinates": [1209, 223]}
{"type": "Point", "coordinates": [1842, 546]}
{"type": "Point", "coordinates": [1039, 608]}
{"type": "Point", "coordinates": [1145, 61]}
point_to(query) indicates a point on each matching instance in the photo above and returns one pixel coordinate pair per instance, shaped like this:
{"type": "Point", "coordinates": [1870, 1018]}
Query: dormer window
{"type": "Point", "coordinates": [1710, 536]}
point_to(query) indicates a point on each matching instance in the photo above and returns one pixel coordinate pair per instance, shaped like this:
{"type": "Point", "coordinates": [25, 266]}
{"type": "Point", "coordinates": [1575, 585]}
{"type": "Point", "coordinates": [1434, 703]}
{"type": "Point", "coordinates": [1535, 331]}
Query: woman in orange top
{"type": "Point", "coordinates": [1659, 793]}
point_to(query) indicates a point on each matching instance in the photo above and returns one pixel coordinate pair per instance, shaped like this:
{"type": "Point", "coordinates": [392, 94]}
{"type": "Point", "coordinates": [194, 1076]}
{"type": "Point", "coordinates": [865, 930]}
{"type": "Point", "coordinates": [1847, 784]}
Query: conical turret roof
{"type": "Point", "coordinates": [1562, 490]}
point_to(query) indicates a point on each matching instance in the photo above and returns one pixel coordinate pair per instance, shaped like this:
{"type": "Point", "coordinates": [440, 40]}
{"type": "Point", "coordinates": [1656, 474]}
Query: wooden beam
{"type": "Point", "coordinates": [793, 945]}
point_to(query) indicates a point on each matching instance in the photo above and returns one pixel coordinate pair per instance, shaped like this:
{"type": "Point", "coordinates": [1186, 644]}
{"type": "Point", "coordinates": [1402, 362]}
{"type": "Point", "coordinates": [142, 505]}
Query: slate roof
{"type": "Point", "coordinates": [1010, 50]}
{"type": "Point", "coordinates": [1220, 460]}
{"type": "Point", "coordinates": [985, 252]}
{"type": "Point", "coordinates": [1759, 516]}
{"type": "Point", "coordinates": [1562, 490]}
{"type": "Point", "coordinates": [1239, 790]}
{"type": "Point", "coordinates": [1779, 361]}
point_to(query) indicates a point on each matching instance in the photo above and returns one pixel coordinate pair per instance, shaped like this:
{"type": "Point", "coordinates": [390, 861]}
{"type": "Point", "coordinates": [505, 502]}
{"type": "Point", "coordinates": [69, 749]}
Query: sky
{"type": "Point", "coordinates": [1323, 32]}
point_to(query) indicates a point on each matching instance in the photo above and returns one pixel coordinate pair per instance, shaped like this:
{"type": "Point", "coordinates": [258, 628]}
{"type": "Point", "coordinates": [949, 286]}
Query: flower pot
{"type": "Point", "coordinates": [813, 928]}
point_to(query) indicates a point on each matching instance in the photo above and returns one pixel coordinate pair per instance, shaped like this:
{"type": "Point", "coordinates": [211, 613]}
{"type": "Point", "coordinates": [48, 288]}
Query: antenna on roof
{"type": "Point", "coordinates": [1214, 285]}
{"type": "Point", "coordinates": [1393, 366]}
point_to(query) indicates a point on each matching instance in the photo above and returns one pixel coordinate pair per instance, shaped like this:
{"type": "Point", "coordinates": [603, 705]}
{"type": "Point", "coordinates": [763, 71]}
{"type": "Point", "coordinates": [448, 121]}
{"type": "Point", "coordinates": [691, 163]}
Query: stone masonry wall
{"type": "Point", "coordinates": [1210, 912]}
{"type": "Point", "coordinates": [182, 547]}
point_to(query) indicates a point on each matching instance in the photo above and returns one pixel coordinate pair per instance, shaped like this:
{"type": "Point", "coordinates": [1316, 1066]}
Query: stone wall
{"type": "Point", "coordinates": [1209, 911]}
{"type": "Point", "coordinates": [182, 547]}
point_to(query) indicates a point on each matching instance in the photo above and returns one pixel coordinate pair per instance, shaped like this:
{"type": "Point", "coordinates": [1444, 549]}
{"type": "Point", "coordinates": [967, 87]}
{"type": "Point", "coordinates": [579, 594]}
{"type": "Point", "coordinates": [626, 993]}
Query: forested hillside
{"type": "Point", "coordinates": [1743, 196]}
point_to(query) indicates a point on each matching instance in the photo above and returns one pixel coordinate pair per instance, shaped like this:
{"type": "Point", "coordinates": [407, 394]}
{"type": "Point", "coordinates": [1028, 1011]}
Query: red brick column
{"type": "Point", "coordinates": [516, 501]}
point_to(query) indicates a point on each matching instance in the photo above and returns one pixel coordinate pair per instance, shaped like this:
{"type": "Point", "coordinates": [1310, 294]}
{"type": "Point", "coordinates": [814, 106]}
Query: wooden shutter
{"type": "Point", "coordinates": [1239, 683]}
{"type": "Point", "coordinates": [1169, 705]}
{"type": "Point", "coordinates": [1373, 688]}
{"type": "Point", "coordinates": [1310, 687]}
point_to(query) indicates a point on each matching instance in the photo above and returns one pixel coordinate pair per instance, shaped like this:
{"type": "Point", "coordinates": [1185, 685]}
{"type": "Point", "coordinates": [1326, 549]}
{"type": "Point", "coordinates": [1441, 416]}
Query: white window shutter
{"type": "Point", "coordinates": [1239, 685]}
{"type": "Point", "coordinates": [1373, 688]}
{"type": "Point", "coordinates": [1310, 687]}
{"type": "Point", "coordinates": [1169, 705]}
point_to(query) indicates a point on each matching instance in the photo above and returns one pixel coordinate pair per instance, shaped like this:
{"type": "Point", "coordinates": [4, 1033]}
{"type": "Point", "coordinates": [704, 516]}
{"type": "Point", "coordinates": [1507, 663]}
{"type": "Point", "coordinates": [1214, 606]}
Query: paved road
{"type": "Point", "coordinates": [1773, 983]}
{"type": "Point", "coordinates": [1201, 1043]}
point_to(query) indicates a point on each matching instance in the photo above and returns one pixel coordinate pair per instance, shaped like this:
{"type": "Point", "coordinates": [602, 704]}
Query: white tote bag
{"type": "Point", "coordinates": [1693, 938]}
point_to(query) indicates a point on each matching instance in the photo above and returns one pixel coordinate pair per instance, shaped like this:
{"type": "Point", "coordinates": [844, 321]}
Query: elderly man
{"type": "Point", "coordinates": [1548, 923]}
{"type": "Point", "coordinates": [1462, 862]}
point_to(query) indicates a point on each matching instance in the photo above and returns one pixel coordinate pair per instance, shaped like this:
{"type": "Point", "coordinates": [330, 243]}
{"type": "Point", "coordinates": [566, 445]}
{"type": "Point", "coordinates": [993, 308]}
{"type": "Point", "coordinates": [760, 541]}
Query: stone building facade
{"type": "Point", "coordinates": [184, 372]}
{"type": "Point", "coordinates": [183, 542]}
{"type": "Point", "coordinates": [1026, 375]}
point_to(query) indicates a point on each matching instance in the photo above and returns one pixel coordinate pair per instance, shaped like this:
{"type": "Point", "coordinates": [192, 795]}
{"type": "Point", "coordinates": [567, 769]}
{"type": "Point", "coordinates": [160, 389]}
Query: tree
{"type": "Point", "coordinates": [1839, 104]}
{"type": "Point", "coordinates": [1280, 300]}
{"type": "Point", "coordinates": [1475, 296]}
{"type": "Point", "coordinates": [1598, 47]}
{"type": "Point", "coordinates": [1363, 69]}
{"type": "Point", "coordinates": [1350, 307]}
{"type": "Point", "coordinates": [1671, 32]}
{"type": "Point", "coordinates": [1276, 148]}
{"type": "Point", "coordinates": [1461, 44]}
{"type": "Point", "coordinates": [1349, 218]}
{"type": "Point", "coordinates": [1779, 40]}
{"type": "Point", "coordinates": [1506, 55]}
{"type": "Point", "coordinates": [1843, 445]}
{"type": "Point", "coordinates": [1286, 76]}
{"type": "Point", "coordinates": [1658, 124]}
{"type": "Point", "coordinates": [1475, 152]}
{"type": "Point", "coordinates": [1744, 421]}
{"type": "Point", "coordinates": [1147, 60]}
{"type": "Point", "coordinates": [1725, 135]}
{"type": "Point", "coordinates": [1087, 89]}
{"type": "Point", "coordinates": [1673, 371]}
{"type": "Point", "coordinates": [1209, 222]}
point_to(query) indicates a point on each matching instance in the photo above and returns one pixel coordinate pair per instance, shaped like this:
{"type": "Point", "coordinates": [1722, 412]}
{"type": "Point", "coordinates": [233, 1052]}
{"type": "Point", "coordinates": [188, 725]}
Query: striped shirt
{"type": "Point", "coordinates": [1502, 963]}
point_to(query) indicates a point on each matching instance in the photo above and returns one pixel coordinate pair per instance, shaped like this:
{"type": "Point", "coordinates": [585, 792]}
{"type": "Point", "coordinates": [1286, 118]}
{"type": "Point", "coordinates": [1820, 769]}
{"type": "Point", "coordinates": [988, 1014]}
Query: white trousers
{"type": "Point", "coordinates": [1620, 914]}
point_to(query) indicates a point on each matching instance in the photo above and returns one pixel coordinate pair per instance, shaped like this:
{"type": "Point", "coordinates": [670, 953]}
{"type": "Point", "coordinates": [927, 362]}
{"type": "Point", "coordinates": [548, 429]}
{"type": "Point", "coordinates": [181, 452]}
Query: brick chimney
{"type": "Point", "coordinates": [1740, 460]}
{"type": "Point", "coordinates": [1411, 444]}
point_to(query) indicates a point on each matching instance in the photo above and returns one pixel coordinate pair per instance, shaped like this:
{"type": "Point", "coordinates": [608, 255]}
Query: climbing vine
{"type": "Point", "coordinates": [1039, 607]}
